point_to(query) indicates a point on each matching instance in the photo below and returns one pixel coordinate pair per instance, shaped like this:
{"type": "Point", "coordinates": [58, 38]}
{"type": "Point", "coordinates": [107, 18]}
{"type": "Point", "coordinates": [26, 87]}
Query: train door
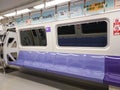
{"type": "Point", "coordinates": [10, 47]}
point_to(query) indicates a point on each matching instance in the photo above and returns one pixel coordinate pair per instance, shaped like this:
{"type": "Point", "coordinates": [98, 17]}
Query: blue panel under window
{"type": "Point", "coordinates": [83, 41]}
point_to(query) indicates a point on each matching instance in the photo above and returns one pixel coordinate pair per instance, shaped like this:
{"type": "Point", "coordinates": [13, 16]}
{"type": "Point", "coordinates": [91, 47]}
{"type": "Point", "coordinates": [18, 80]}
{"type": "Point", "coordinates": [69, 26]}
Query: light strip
{"type": "Point", "coordinates": [55, 2]}
{"type": "Point", "coordinates": [50, 4]}
{"type": "Point", "coordinates": [1, 17]}
{"type": "Point", "coordinates": [23, 11]}
{"type": "Point", "coordinates": [41, 6]}
{"type": "Point", "coordinates": [18, 12]}
{"type": "Point", "coordinates": [10, 14]}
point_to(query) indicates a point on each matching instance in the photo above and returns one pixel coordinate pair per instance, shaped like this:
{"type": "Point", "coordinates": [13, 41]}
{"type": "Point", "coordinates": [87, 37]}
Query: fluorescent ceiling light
{"type": "Point", "coordinates": [18, 12]}
{"type": "Point", "coordinates": [1, 17]}
{"type": "Point", "coordinates": [41, 6]}
{"type": "Point", "coordinates": [10, 14]}
{"type": "Point", "coordinates": [50, 4]}
{"type": "Point", "coordinates": [23, 11]}
{"type": "Point", "coordinates": [55, 2]}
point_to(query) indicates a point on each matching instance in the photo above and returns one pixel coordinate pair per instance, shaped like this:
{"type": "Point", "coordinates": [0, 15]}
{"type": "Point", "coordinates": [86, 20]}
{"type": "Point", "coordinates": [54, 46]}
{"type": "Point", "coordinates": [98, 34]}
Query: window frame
{"type": "Point", "coordinates": [82, 34]}
{"type": "Point", "coordinates": [33, 28]}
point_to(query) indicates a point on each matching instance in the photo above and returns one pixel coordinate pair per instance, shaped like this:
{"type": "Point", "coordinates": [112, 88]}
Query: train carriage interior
{"type": "Point", "coordinates": [59, 45]}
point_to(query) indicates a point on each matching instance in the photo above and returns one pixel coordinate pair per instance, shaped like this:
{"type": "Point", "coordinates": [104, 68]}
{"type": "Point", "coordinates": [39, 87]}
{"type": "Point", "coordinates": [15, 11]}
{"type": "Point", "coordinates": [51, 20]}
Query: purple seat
{"type": "Point", "coordinates": [112, 70]}
{"type": "Point", "coordinates": [45, 60]}
{"type": "Point", "coordinates": [38, 63]}
{"type": "Point", "coordinates": [17, 63]}
{"type": "Point", "coordinates": [29, 58]}
{"type": "Point", "coordinates": [76, 64]}
{"type": "Point", "coordinates": [90, 67]}
{"type": "Point", "coordinates": [60, 62]}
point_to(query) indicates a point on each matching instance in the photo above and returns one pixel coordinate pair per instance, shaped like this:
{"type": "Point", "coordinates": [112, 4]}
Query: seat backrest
{"type": "Point", "coordinates": [76, 60]}
{"type": "Point", "coordinates": [61, 59]}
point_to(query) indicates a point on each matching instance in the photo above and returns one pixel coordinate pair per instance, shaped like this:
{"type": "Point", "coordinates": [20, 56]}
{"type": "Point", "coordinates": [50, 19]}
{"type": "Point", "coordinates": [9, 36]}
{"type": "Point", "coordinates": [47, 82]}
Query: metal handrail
{"type": "Point", "coordinates": [2, 62]}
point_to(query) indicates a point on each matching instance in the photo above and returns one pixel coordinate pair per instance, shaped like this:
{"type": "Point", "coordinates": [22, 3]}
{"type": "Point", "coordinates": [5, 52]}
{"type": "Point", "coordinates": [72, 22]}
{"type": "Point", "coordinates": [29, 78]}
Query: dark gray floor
{"type": "Point", "coordinates": [23, 81]}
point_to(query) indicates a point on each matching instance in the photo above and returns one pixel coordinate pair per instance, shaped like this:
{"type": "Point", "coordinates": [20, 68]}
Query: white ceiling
{"type": "Point", "coordinates": [6, 5]}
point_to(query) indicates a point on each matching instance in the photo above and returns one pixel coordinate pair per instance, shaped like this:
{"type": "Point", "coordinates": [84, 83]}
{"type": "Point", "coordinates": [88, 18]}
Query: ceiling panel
{"type": "Point", "coordinates": [6, 5]}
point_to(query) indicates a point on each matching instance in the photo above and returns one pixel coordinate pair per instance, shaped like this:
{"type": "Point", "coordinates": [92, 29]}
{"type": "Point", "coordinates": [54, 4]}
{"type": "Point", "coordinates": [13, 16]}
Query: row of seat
{"type": "Point", "coordinates": [97, 68]}
{"type": "Point", "coordinates": [90, 67]}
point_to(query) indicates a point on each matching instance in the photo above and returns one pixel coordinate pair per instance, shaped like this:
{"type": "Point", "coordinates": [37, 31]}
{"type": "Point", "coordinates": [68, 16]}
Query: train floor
{"type": "Point", "coordinates": [16, 80]}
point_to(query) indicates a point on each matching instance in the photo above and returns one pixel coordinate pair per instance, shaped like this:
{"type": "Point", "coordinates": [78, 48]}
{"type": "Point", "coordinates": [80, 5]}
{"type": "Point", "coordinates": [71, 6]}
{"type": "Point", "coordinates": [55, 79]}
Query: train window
{"type": "Point", "coordinates": [94, 27]}
{"type": "Point", "coordinates": [34, 33]}
{"type": "Point", "coordinates": [90, 34]}
{"type": "Point", "coordinates": [67, 30]}
{"type": "Point", "coordinates": [33, 37]}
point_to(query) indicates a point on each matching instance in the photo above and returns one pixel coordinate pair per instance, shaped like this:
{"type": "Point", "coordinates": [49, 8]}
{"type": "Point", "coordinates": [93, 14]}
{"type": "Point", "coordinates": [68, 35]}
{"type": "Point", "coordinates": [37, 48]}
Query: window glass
{"type": "Point", "coordinates": [94, 27]}
{"type": "Point", "coordinates": [92, 34]}
{"type": "Point", "coordinates": [33, 37]}
{"type": "Point", "coordinates": [67, 30]}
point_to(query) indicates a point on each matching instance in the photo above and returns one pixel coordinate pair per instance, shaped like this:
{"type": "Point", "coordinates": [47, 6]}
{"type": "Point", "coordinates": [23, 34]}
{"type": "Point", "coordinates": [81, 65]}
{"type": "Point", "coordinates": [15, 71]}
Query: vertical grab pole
{"type": "Point", "coordinates": [2, 63]}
